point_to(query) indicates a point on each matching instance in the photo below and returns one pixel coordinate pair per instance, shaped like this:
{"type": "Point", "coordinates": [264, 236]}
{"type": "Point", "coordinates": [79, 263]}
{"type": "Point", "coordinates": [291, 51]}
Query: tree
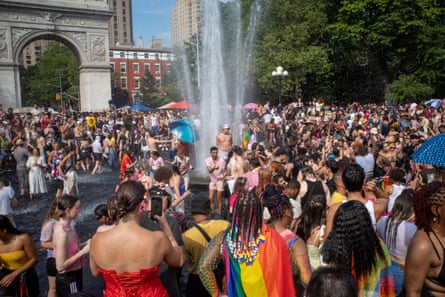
{"type": "Point", "coordinates": [148, 86]}
{"type": "Point", "coordinates": [57, 68]}
{"type": "Point", "coordinates": [120, 97]}
{"type": "Point", "coordinates": [292, 38]}
{"type": "Point", "coordinates": [391, 39]}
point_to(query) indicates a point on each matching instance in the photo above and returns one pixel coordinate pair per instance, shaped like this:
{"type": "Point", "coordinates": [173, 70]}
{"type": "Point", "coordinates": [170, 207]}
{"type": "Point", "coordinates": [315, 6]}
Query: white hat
{"type": "Point", "coordinates": [374, 131]}
{"type": "Point", "coordinates": [226, 126]}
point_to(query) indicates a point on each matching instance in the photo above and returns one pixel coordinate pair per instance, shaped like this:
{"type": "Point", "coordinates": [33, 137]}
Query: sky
{"type": "Point", "coordinates": [151, 19]}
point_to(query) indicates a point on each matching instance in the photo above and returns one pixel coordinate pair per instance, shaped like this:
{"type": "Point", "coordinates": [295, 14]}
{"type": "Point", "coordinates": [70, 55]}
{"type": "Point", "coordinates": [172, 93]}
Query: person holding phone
{"type": "Point", "coordinates": [169, 275]}
{"type": "Point", "coordinates": [136, 272]}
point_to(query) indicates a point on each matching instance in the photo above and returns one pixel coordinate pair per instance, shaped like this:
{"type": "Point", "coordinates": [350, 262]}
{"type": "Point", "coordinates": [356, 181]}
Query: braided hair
{"type": "Point", "coordinates": [275, 201]}
{"type": "Point", "coordinates": [244, 235]}
{"type": "Point", "coordinates": [353, 241]}
{"type": "Point", "coordinates": [425, 199]}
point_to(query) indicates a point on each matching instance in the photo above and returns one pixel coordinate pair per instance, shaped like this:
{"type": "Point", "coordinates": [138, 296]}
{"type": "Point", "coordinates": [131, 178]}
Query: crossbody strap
{"type": "Point", "coordinates": [206, 236]}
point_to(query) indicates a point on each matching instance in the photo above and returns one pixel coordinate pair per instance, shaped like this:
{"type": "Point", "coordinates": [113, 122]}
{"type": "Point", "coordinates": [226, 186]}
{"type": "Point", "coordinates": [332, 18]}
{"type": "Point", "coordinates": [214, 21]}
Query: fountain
{"type": "Point", "coordinates": [223, 70]}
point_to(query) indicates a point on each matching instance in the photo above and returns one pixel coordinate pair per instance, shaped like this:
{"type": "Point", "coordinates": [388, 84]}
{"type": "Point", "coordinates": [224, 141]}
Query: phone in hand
{"type": "Point", "coordinates": [156, 206]}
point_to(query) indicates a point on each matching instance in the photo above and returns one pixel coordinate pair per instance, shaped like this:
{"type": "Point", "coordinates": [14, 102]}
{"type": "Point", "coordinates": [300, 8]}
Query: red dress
{"type": "Point", "coordinates": [144, 283]}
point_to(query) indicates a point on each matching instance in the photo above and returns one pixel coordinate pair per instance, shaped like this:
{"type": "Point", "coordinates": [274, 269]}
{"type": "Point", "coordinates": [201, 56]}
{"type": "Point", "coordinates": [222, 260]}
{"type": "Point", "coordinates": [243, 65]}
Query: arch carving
{"type": "Point", "coordinates": [82, 25]}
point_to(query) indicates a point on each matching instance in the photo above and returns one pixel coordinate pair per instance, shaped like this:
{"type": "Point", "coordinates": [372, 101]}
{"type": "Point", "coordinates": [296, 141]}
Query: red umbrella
{"type": "Point", "coordinates": [181, 105]}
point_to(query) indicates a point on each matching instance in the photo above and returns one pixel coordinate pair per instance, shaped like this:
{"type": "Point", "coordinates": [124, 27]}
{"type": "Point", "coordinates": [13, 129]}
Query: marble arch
{"type": "Point", "coordinates": [82, 25]}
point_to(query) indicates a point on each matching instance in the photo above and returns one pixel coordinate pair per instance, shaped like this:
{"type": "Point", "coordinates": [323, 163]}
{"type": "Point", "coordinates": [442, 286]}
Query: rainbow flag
{"type": "Point", "coordinates": [247, 134]}
{"type": "Point", "coordinates": [270, 275]}
{"type": "Point", "coordinates": [380, 281]}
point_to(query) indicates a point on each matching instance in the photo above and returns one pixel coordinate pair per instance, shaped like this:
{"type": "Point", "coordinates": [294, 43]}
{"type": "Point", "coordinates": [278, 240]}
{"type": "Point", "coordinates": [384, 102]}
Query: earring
{"type": "Point", "coordinates": [434, 219]}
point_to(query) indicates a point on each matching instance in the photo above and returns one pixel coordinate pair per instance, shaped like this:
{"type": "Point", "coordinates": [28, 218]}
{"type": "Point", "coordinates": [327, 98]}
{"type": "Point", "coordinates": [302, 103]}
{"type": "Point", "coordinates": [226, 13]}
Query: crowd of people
{"type": "Point", "coordinates": [307, 199]}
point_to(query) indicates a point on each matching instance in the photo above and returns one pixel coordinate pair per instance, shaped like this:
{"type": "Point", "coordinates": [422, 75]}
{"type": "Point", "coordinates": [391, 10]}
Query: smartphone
{"type": "Point", "coordinates": [156, 206]}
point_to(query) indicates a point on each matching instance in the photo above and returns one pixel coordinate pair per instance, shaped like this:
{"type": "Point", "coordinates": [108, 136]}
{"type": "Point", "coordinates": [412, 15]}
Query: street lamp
{"type": "Point", "coordinates": [279, 74]}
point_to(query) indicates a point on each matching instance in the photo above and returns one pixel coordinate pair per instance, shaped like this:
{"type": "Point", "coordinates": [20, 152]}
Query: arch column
{"type": "Point", "coordinates": [95, 87]}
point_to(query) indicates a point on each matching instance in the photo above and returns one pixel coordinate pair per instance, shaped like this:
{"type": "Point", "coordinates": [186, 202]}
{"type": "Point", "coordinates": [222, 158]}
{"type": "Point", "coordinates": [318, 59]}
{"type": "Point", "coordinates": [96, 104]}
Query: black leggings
{"type": "Point", "coordinates": [69, 283]}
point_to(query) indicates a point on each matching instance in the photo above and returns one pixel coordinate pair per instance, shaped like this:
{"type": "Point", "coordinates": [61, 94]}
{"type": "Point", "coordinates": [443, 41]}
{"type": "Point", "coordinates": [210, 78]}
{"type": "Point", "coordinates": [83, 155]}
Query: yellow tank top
{"type": "Point", "coordinates": [14, 260]}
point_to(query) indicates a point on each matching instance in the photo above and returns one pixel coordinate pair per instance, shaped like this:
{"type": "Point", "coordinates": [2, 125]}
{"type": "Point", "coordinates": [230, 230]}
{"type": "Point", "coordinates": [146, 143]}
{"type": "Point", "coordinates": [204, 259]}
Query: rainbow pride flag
{"type": "Point", "coordinates": [270, 275]}
{"type": "Point", "coordinates": [380, 281]}
{"type": "Point", "coordinates": [247, 134]}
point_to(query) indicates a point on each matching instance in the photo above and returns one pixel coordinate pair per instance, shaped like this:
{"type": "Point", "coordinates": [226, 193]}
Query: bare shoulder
{"type": "Point", "coordinates": [421, 246]}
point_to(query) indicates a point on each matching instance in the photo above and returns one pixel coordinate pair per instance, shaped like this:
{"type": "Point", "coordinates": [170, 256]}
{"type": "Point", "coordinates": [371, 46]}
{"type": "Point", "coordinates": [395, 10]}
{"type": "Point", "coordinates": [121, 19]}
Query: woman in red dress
{"type": "Point", "coordinates": [128, 256]}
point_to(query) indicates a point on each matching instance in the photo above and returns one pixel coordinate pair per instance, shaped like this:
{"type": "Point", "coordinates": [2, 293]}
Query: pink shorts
{"type": "Point", "coordinates": [217, 185]}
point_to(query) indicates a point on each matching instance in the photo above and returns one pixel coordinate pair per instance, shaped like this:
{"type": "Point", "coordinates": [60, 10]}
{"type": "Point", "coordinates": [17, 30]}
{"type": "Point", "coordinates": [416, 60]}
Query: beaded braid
{"type": "Point", "coordinates": [244, 236]}
{"type": "Point", "coordinates": [426, 198]}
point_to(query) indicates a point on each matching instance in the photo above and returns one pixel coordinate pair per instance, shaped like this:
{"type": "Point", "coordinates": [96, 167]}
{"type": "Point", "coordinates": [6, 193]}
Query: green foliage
{"type": "Point", "coordinates": [409, 88]}
{"type": "Point", "coordinates": [57, 69]}
{"type": "Point", "coordinates": [148, 85]}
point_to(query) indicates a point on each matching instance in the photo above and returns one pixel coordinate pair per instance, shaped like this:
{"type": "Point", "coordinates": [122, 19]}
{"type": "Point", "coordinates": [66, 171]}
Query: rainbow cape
{"type": "Point", "coordinates": [270, 275]}
{"type": "Point", "coordinates": [380, 282]}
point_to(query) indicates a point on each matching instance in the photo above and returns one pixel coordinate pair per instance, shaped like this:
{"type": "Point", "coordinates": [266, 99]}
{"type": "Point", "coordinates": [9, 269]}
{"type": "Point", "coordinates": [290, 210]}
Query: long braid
{"type": "Point", "coordinates": [244, 236]}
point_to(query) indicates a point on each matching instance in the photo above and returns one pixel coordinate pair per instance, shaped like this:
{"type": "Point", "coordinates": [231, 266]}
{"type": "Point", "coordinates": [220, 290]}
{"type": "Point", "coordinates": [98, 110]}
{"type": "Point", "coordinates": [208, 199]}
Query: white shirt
{"type": "Point", "coordinates": [6, 195]}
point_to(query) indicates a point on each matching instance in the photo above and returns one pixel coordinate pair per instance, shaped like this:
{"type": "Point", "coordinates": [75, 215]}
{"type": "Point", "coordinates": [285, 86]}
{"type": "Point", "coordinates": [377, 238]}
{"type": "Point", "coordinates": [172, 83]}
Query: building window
{"type": "Point", "coordinates": [123, 82]}
{"type": "Point", "coordinates": [115, 18]}
{"type": "Point", "coordinates": [123, 67]}
{"type": "Point", "coordinates": [136, 68]}
{"type": "Point", "coordinates": [112, 67]}
{"type": "Point", "coordinates": [110, 54]}
{"type": "Point", "coordinates": [137, 83]}
{"type": "Point", "coordinates": [146, 67]}
{"type": "Point", "coordinates": [135, 55]}
{"type": "Point", "coordinates": [158, 69]}
{"type": "Point", "coordinates": [158, 83]}
{"type": "Point", "coordinates": [124, 19]}
{"type": "Point", "coordinates": [169, 67]}
{"type": "Point", "coordinates": [122, 54]}
{"type": "Point", "coordinates": [146, 55]}
{"type": "Point", "coordinates": [125, 34]}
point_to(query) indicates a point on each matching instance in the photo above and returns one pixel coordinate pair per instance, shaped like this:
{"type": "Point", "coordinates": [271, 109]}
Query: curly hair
{"type": "Point", "coordinates": [352, 240]}
{"type": "Point", "coordinates": [425, 199]}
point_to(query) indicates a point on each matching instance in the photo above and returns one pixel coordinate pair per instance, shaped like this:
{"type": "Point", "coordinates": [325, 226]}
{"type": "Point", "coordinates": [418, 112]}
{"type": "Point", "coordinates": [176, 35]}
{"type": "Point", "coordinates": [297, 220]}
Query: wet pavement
{"type": "Point", "coordinates": [94, 190]}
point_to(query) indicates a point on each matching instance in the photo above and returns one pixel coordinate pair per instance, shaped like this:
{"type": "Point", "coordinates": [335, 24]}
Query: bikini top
{"type": "Point", "coordinates": [14, 260]}
{"type": "Point", "coordinates": [440, 279]}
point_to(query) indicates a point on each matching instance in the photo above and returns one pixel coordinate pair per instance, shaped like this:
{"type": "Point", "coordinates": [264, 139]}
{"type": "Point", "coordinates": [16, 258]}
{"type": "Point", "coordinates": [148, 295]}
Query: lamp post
{"type": "Point", "coordinates": [279, 74]}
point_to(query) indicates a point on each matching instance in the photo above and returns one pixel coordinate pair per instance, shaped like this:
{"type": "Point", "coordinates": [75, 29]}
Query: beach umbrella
{"type": "Point", "coordinates": [140, 107]}
{"type": "Point", "coordinates": [182, 105]}
{"type": "Point", "coordinates": [431, 151]}
{"type": "Point", "coordinates": [184, 130]}
{"type": "Point", "coordinates": [251, 105]}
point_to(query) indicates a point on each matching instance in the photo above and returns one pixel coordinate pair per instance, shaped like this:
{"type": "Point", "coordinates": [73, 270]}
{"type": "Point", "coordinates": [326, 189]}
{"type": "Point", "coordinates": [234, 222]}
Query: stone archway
{"type": "Point", "coordinates": [82, 25]}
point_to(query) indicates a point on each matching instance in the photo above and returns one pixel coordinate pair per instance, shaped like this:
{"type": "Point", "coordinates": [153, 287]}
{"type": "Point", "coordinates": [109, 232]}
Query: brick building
{"type": "Point", "coordinates": [132, 63]}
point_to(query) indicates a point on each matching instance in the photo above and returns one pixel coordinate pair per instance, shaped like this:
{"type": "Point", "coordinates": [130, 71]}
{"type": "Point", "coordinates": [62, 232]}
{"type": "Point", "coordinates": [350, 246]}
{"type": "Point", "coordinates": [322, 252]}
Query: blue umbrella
{"type": "Point", "coordinates": [141, 107]}
{"type": "Point", "coordinates": [180, 122]}
{"type": "Point", "coordinates": [431, 151]}
{"type": "Point", "coordinates": [184, 131]}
